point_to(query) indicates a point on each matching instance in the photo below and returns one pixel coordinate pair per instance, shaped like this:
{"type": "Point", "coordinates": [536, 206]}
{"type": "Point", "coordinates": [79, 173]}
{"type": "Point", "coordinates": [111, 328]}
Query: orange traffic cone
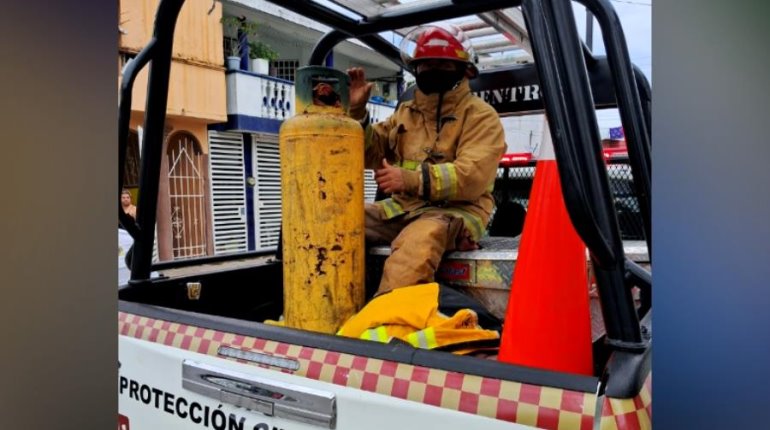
{"type": "Point", "coordinates": [548, 322]}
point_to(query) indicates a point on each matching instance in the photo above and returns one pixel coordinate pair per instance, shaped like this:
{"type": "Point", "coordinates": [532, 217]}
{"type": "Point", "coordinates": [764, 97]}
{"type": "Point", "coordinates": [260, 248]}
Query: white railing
{"type": "Point", "coordinates": [261, 96]}
{"type": "Point", "coordinates": [277, 98]}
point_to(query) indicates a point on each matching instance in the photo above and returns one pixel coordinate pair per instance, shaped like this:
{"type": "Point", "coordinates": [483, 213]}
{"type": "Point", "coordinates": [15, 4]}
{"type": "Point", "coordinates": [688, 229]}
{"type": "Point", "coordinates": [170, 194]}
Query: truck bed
{"type": "Point", "coordinates": [485, 274]}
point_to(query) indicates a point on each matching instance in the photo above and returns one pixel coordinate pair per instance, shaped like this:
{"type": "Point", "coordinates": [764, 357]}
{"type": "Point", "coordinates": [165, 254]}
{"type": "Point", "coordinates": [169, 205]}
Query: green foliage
{"type": "Point", "coordinates": [232, 26]}
{"type": "Point", "coordinates": [259, 49]}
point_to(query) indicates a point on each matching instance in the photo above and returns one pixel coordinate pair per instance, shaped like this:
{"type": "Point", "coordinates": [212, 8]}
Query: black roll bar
{"type": "Point", "coordinates": [637, 276]}
{"type": "Point", "coordinates": [319, 13]}
{"type": "Point", "coordinates": [325, 45]}
{"type": "Point", "coordinates": [332, 38]}
{"type": "Point", "coordinates": [159, 54]}
{"type": "Point", "coordinates": [558, 113]}
{"type": "Point", "coordinates": [645, 96]}
{"type": "Point", "coordinates": [130, 72]}
{"type": "Point", "coordinates": [577, 147]}
{"type": "Point", "coordinates": [635, 120]}
{"type": "Point", "coordinates": [419, 14]}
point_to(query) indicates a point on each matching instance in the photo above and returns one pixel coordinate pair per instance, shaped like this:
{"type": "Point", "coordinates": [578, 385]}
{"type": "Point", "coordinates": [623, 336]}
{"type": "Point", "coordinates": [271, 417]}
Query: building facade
{"type": "Point", "coordinates": [220, 180]}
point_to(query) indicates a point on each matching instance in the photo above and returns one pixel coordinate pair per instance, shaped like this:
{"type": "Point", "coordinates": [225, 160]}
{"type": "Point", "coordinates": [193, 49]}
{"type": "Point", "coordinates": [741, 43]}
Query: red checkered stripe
{"type": "Point", "coordinates": [632, 414]}
{"type": "Point", "coordinates": [544, 407]}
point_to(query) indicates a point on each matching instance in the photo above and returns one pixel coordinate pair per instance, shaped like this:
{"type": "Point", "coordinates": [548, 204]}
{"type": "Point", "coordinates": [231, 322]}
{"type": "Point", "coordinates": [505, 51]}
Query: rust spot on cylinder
{"type": "Point", "coordinates": [350, 186]}
{"type": "Point", "coordinates": [336, 248]}
{"type": "Point", "coordinates": [321, 184]}
{"type": "Point", "coordinates": [321, 257]}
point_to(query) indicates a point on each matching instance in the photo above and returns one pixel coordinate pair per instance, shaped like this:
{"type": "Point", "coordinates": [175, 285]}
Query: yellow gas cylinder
{"type": "Point", "coordinates": [322, 166]}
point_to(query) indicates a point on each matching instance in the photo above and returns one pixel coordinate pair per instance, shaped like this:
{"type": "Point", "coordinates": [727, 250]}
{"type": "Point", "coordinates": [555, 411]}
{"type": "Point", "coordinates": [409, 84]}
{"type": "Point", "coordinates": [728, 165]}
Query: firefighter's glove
{"type": "Point", "coordinates": [393, 179]}
{"type": "Point", "coordinates": [359, 92]}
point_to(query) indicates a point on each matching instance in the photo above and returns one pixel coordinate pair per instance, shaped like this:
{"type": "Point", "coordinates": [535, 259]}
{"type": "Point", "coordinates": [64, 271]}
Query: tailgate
{"type": "Point", "coordinates": [164, 387]}
{"type": "Point", "coordinates": [373, 385]}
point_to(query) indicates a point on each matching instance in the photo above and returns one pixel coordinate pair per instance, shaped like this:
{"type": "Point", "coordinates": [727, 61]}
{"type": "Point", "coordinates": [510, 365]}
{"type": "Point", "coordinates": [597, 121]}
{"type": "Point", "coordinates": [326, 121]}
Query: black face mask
{"type": "Point", "coordinates": [438, 81]}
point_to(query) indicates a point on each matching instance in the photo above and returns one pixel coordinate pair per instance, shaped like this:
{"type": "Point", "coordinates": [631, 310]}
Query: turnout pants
{"type": "Point", "coordinates": [417, 245]}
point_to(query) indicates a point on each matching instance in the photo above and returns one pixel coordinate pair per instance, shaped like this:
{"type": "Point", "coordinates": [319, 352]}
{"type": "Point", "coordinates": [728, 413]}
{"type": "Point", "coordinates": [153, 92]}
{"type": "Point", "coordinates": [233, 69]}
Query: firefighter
{"type": "Point", "coordinates": [436, 157]}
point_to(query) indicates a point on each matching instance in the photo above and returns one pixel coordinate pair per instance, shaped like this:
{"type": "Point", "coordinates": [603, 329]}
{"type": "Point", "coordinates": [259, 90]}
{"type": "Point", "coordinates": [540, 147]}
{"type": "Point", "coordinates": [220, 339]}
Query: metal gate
{"type": "Point", "coordinates": [267, 191]}
{"type": "Point", "coordinates": [187, 187]}
{"type": "Point", "coordinates": [228, 194]}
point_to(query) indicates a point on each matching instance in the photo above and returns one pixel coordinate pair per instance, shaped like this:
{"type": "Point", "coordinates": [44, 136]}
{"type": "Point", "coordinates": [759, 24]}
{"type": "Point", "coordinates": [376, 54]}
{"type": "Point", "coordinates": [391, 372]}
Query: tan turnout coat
{"type": "Point", "coordinates": [451, 170]}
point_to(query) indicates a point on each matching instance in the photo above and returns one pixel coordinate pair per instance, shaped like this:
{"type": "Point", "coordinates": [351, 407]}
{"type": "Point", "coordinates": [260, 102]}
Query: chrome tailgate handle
{"type": "Point", "coordinates": [272, 398]}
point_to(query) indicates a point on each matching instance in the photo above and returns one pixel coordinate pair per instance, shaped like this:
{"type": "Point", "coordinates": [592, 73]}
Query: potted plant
{"type": "Point", "coordinates": [261, 54]}
{"type": "Point", "coordinates": [239, 29]}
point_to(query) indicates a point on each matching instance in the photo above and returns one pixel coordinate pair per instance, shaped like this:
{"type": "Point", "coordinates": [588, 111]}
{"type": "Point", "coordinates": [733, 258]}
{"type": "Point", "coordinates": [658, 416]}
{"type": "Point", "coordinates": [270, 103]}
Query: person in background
{"type": "Point", "coordinates": [125, 203]}
{"type": "Point", "coordinates": [436, 157]}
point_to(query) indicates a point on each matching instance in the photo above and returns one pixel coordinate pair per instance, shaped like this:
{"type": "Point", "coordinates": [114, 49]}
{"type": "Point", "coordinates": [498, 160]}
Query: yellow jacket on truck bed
{"type": "Point", "coordinates": [453, 168]}
{"type": "Point", "coordinates": [412, 315]}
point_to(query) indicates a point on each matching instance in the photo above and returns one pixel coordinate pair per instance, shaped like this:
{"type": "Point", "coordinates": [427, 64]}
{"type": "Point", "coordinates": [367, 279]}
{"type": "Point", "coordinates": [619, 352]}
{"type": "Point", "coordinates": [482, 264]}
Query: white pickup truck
{"type": "Point", "coordinates": [195, 351]}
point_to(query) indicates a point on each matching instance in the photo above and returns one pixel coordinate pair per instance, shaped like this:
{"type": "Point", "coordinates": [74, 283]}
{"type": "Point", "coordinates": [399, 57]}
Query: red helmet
{"type": "Point", "coordinates": [439, 42]}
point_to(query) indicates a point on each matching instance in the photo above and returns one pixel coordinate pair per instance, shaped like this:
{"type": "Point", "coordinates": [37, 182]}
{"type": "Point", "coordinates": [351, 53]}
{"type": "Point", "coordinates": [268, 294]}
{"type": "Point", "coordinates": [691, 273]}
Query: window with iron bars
{"type": "Point", "coordinates": [227, 45]}
{"type": "Point", "coordinates": [284, 69]}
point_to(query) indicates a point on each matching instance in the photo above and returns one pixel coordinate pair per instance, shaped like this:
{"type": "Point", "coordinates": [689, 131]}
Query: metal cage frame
{"type": "Point", "coordinates": [562, 64]}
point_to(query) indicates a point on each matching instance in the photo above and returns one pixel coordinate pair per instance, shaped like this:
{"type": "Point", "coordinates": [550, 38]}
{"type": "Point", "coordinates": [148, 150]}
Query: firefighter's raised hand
{"type": "Point", "coordinates": [390, 179]}
{"type": "Point", "coordinates": [359, 92]}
